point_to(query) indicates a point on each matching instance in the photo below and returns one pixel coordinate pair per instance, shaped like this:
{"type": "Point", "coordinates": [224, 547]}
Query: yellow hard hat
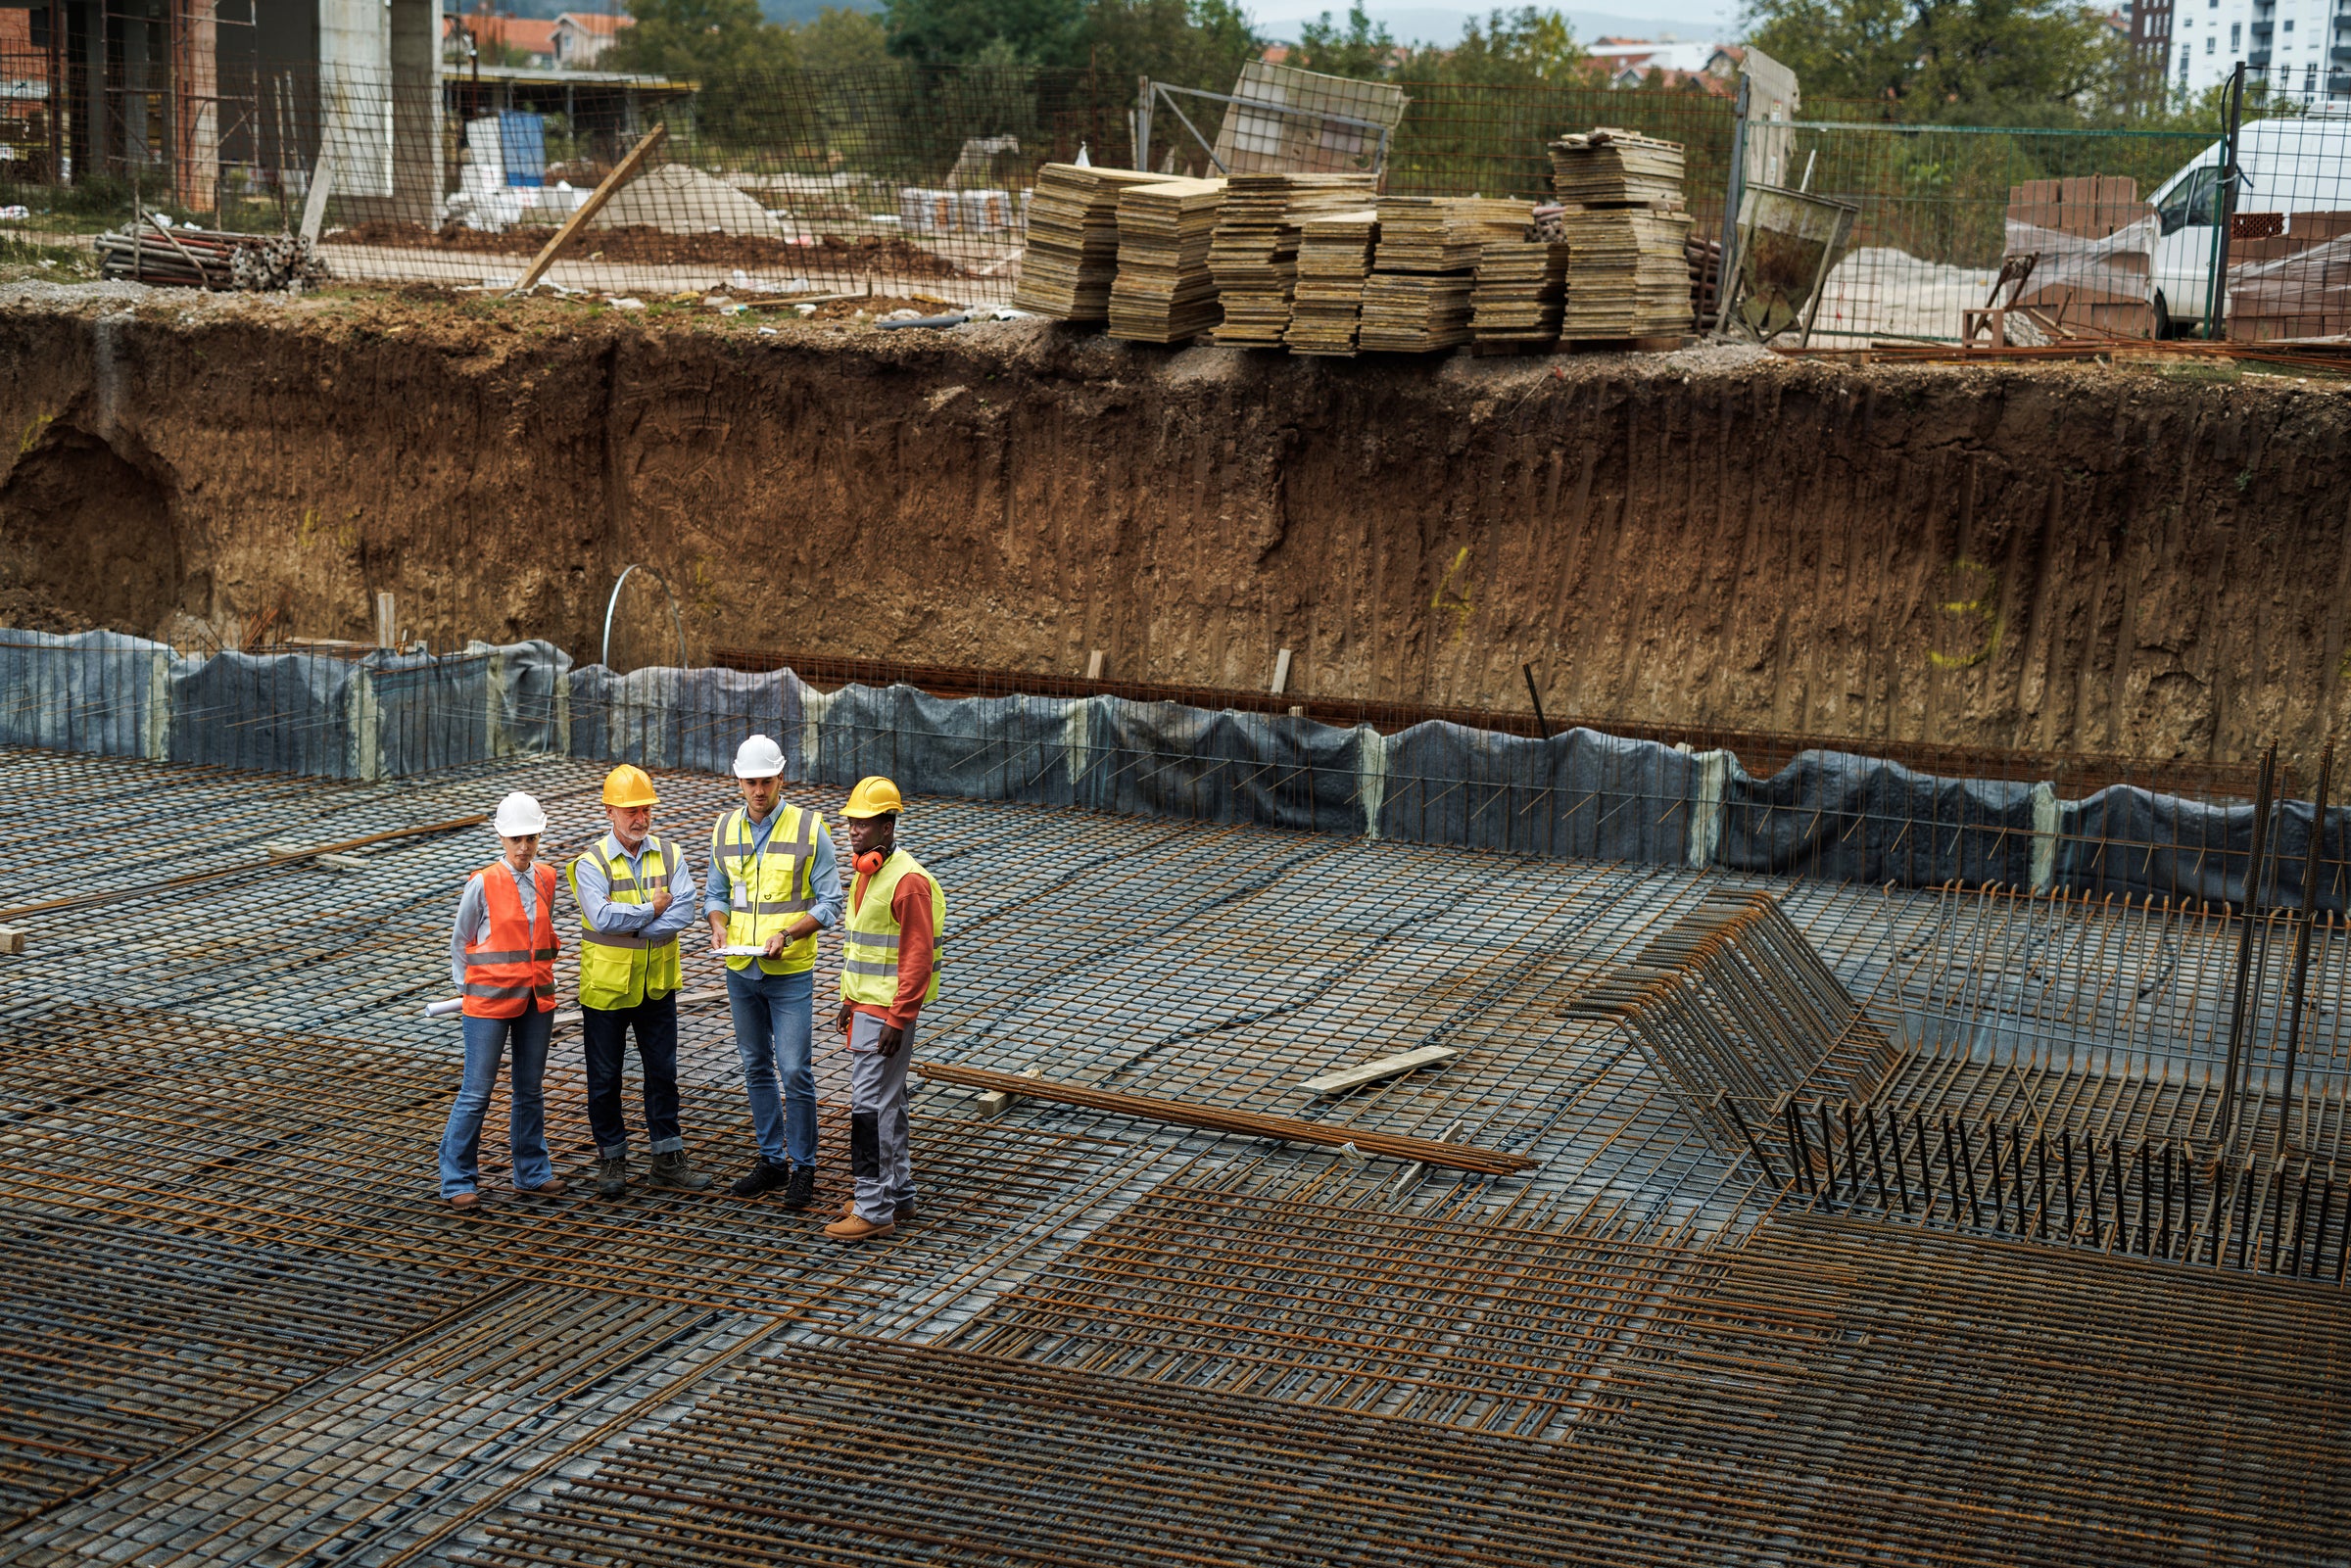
{"type": "Point", "coordinates": [873, 797]}
{"type": "Point", "coordinates": [628, 785]}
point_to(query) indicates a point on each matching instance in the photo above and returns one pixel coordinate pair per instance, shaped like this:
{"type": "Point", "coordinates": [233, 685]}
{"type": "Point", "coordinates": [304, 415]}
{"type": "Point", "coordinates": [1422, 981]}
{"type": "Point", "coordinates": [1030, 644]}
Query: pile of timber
{"type": "Point", "coordinates": [1334, 257]}
{"type": "Point", "coordinates": [209, 258]}
{"type": "Point", "coordinates": [1072, 254]}
{"type": "Point", "coordinates": [1416, 313]}
{"type": "Point", "coordinates": [1444, 233]}
{"type": "Point", "coordinates": [1621, 215]}
{"type": "Point", "coordinates": [1163, 293]}
{"type": "Point", "coordinates": [1522, 285]}
{"type": "Point", "coordinates": [1253, 255]}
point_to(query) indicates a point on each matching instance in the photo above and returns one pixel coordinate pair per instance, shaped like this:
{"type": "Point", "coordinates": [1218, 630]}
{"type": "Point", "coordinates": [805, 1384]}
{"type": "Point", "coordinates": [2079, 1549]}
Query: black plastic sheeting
{"type": "Point", "coordinates": [1582, 794]}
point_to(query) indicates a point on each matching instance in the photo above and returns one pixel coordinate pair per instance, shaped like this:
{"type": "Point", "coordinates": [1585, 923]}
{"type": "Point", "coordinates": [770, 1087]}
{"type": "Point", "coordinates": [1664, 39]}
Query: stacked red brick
{"type": "Point", "coordinates": [2292, 282]}
{"type": "Point", "coordinates": [2095, 274]}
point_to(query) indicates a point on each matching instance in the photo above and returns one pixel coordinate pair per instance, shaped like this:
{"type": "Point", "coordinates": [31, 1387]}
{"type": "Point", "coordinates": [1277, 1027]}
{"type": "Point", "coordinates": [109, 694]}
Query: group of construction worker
{"type": "Point", "coordinates": [774, 882]}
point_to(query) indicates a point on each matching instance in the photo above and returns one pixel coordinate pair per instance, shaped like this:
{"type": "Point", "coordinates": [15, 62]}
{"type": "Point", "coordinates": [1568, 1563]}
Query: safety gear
{"type": "Point", "coordinates": [612, 1176]}
{"type": "Point", "coordinates": [855, 1228]}
{"type": "Point", "coordinates": [512, 967]}
{"type": "Point", "coordinates": [872, 860]}
{"type": "Point", "coordinates": [620, 970]}
{"type": "Point", "coordinates": [772, 888]}
{"type": "Point", "coordinates": [765, 1176]}
{"type": "Point", "coordinates": [869, 940]}
{"type": "Point", "coordinates": [671, 1170]}
{"type": "Point", "coordinates": [873, 797]}
{"type": "Point", "coordinates": [758, 758]}
{"type": "Point", "coordinates": [898, 1217]}
{"type": "Point", "coordinates": [520, 817]}
{"type": "Point", "coordinates": [629, 785]}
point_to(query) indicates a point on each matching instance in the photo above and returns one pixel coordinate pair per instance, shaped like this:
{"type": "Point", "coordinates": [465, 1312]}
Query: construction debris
{"type": "Point", "coordinates": [208, 258]}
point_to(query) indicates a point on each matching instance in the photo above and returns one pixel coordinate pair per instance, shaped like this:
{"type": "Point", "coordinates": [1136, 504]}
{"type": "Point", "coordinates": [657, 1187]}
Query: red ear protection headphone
{"type": "Point", "coordinates": [870, 862]}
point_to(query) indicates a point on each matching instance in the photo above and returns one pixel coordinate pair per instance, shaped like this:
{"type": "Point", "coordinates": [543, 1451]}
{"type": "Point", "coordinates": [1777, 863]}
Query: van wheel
{"type": "Point", "coordinates": [2163, 317]}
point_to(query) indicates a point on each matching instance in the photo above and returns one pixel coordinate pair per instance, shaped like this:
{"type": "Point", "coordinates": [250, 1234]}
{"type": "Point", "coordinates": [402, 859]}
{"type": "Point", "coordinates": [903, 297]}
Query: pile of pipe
{"type": "Point", "coordinates": [209, 258]}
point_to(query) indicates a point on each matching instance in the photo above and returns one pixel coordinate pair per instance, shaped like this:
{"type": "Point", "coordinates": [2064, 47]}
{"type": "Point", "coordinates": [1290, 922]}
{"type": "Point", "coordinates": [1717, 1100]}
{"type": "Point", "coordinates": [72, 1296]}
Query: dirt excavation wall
{"type": "Point", "coordinates": [2069, 557]}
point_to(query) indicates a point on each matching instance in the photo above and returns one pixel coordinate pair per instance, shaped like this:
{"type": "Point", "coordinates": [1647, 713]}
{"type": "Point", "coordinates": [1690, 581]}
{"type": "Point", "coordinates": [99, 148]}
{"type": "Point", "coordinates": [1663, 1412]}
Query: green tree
{"type": "Point", "coordinates": [1981, 62]}
{"type": "Point", "coordinates": [1360, 49]}
{"type": "Point", "coordinates": [839, 39]}
{"type": "Point", "coordinates": [1193, 43]}
{"type": "Point", "coordinates": [1522, 48]}
{"type": "Point", "coordinates": [1036, 33]}
{"type": "Point", "coordinates": [727, 46]}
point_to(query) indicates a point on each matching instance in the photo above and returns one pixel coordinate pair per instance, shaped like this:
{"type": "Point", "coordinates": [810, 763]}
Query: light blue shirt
{"type": "Point", "coordinates": [823, 877]}
{"type": "Point", "coordinates": [621, 920]}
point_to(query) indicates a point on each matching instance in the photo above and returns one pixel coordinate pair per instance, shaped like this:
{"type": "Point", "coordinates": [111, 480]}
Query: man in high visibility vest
{"type": "Point", "coordinates": [774, 884]}
{"type": "Point", "coordinates": [634, 895]}
{"type": "Point", "coordinates": [892, 949]}
{"type": "Point", "coordinates": [502, 955]}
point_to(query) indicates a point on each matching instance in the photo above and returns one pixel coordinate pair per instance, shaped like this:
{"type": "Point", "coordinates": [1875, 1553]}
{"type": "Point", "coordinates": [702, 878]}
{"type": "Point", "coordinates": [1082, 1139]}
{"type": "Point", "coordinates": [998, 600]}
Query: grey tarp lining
{"type": "Point", "coordinates": [1582, 794]}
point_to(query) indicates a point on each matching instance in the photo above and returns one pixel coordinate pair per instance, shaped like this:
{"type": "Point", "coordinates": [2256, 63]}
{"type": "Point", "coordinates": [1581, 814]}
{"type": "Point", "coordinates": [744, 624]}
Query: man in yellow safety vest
{"type": "Point", "coordinates": [892, 949]}
{"type": "Point", "coordinates": [635, 894]}
{"type": "Point", "coordinates": [774, 884]}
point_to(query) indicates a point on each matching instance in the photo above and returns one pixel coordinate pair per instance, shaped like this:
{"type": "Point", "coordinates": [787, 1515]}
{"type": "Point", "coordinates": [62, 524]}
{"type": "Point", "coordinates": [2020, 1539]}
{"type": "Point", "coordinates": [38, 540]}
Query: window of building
{"type": "Point", "coordinates": [2208, 43]}
{"type": "Point", "coordinates": [2289, 24]}
{"type": "Point", "coordinates": [2235, 30]}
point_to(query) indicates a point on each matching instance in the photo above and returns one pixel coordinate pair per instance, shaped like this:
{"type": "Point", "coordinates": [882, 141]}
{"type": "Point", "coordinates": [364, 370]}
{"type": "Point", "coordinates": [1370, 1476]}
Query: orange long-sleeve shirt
{"type": "Point", "coordinates": [918, 938]}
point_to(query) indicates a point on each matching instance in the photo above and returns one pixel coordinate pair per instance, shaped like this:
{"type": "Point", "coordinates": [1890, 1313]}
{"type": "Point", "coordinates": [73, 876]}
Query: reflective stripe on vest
{"type": "Point", "coordinates": [622, 970]}
{"type": "Point", "coordinates": [512, 967]}
{"type": "Point", "coordinates": [769, 888]}
{"type": "Point", "coordinates": [870, 935]}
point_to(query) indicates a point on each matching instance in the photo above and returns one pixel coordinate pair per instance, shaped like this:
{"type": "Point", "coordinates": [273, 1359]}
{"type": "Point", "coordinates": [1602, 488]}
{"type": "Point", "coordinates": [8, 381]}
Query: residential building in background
{"type": "Point", "coordinates": [582, 36]}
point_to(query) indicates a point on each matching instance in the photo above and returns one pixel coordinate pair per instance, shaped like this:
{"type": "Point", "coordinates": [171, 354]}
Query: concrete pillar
{"type": "Point", "coordinates": [196, 105]}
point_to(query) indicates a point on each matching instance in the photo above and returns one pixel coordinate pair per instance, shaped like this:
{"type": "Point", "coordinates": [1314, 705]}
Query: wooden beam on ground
{"type": "Point", "coordinates": [1372, 1071]}
{"type": "Point", "coordinates": [622, 172]}
{"type": "Point", "coordinates": [1242, 1124]}
{"type": "Point", "coordinates": [313, 201]}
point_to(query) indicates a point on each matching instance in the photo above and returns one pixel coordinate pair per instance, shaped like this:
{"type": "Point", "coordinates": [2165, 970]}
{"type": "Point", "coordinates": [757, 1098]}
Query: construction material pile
{"type": "Point", "coordinates": [1163, 293]}
{"type": "Point", "coordinates": [1253, 255]}
{"type": "Point", "coordinates": [209, 259]}
{"type": "Point", "coordinates": [1334, 257]}
{"type": "Point", "coordinates": [1625, 226]}
{"type": "Point", "coordinates": [1417, 298]}
{"type": "Point", "coordinates": [1521, 287]}
{"type": "Point", "coordinates": [1072, 256]}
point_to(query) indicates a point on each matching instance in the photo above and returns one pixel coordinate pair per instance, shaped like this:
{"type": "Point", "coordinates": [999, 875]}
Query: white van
{"type": "Point", "coordinates": [2301, 165]}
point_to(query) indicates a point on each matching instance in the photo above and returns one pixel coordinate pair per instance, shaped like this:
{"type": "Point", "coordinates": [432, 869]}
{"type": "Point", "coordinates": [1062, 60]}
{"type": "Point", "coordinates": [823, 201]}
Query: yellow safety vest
{"type": "Point", "coordinates": [771, 889]}
{"type": "Point", "coordinates": [868, 938]}
{"type": "Point", "coordinates": [616, 971]}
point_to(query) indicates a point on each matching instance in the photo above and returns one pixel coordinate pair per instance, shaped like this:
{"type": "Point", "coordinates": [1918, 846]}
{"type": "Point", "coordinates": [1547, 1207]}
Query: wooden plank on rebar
{"type": "Point", "coordinates": [1386, 1067]}
{"type": "Point", "coordinates": [622, 172]}
{"type": "Point", "coordinates": [1245, 1123]}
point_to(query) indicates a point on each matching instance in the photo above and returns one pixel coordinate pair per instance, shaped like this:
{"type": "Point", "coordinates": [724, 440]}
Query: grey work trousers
{"type": "Point", "coordinates": [878, 1156]}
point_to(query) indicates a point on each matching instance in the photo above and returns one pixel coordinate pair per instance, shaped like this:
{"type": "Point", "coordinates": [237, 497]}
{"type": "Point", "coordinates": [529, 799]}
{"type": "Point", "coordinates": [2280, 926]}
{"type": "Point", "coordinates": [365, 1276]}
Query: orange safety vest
{"type": "Point", "coordinates": [515, 959]}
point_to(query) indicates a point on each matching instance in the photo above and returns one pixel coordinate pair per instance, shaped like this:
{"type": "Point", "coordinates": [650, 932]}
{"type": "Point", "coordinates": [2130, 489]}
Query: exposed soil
{"type": "Point", "coordinates": [2060, 557]}
{"type": "Point", "coordinates": [640, 244]}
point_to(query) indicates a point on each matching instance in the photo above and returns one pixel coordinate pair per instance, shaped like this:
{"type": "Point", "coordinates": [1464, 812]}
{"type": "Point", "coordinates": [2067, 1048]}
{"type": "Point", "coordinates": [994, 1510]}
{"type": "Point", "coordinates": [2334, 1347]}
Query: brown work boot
{"type": "Point", "coordinates": [551, 1187]}
{"type": "Point", "coordinates": [898, 1217]}
{"type": "Point", "coordinates": [465, 1200]}
{"type": "Point", "coordinates": [672, 1170]}
{"type": "Point", "coordinates": [856, 1229]}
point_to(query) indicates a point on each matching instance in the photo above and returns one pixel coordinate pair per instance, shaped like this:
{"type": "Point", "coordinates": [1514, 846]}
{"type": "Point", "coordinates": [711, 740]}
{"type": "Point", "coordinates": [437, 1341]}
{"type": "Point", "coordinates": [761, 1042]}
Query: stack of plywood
{"type": "Point", "coordinates": [1445, 233]}
{"type": "Point", "coordinates": [1334, 257]}
{"type": "Point", "coordinates": [1416, 313]}
{"type": "Point", "coordinates": [2095, 241]}
{"type": "Point", "coordinates": [1253, 255]}
{"type": "Point", "coordinates": [1072, 254]}
{"type": "Point", "coordinates": [1520, 286]}
{"type": "Point", "coordinates": [2293, 281]}
{"type": "Point", "coordinates": [1163, 293]}
{"type": "Point", "coordinates": [1621, 214]}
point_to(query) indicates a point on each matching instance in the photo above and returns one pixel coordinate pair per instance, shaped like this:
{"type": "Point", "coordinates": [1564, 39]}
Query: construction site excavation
{"type": "Point", "coordinates": [1088, 855]}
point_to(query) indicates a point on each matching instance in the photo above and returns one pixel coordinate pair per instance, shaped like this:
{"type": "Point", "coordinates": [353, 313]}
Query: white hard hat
{"type": "Point", "coordinates": [520, 817]}
{"type": "Point", "coordinates": [758, 758]}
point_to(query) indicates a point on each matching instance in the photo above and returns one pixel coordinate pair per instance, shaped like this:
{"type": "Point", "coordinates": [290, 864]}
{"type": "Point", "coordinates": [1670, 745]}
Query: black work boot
{"type": "Point", "coordinates": [803, 1191]}
{"type": "Point", "coordinates": [765, 1176]}
{"type": "Point", "coordinates": [671, 1170]}
{"type": "Point", "coordinates": [612, 1176]}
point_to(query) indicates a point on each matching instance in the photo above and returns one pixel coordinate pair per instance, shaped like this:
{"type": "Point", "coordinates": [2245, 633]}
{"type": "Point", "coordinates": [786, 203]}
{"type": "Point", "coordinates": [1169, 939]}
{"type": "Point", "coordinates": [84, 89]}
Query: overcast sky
{"type": "Point", "coordinates": [1688, 19]}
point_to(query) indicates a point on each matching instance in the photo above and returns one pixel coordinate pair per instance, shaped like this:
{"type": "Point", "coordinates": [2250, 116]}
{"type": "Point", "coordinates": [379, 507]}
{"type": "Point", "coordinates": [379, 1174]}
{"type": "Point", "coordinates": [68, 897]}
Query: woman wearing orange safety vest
{"type": "Point", "coordinates": [502, 957]}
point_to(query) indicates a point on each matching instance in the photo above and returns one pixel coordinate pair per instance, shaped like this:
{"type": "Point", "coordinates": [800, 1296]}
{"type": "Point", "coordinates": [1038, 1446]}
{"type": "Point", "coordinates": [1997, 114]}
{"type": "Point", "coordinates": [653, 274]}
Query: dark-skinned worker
{"type": "Point", "coordinates": [634, 895]}
{"type": "Point", "coordinates": [893, 944]}
{"type": "Point", "coordinates": [774, 884]}
{"type": "Point", "coordinates": [502, 953]}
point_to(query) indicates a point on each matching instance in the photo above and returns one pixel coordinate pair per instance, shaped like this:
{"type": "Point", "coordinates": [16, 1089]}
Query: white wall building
{"type": "Point", "coordinates": [2302, 48]}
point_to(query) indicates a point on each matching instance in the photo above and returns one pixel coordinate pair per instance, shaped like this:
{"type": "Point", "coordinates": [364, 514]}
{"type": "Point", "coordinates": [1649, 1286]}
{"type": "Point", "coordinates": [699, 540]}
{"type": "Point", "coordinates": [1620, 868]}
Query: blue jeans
{"type": "Point", "coordinates": [486, 1040]}
{"type": "Point", "coordinates": [772, 1021]}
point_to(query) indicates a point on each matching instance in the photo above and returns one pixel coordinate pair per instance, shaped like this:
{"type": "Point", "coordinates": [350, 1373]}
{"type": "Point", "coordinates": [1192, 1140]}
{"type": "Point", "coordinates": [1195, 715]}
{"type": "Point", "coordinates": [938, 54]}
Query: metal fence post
{"type": "Point", "coordinates": [1730, 207]}
{"type": "Point", "coordinates": [1142, 122]}
{"type": "Point", "coordinates": [2223, 205]}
